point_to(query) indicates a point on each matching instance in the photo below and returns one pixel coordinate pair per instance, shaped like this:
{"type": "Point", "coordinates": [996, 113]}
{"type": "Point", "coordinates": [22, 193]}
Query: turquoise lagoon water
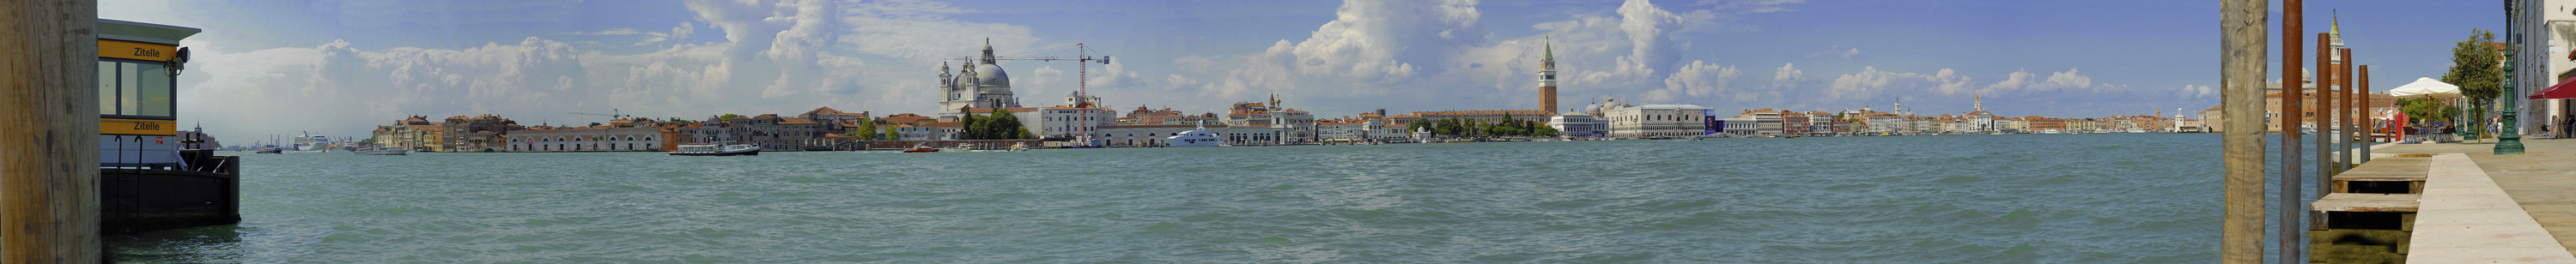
{"type": "Point", "coordinates": [2118, 198]}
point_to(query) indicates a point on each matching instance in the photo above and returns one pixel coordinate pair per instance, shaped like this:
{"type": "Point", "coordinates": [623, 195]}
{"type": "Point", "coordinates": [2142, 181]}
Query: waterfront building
{"type": "Point", "coordinates": [474, 134]}
{"type": "Point", "coordinates": [1980, 120]}
{"type": "Point", "coordinates": [1347, 130]}
{"type": "Point", "coordinates": [2211, 120]}
{"type": "Point", "coordinates": [415, 133]}
{"type": "Point", "coordinates": [981, 84]}
{"type": "Point", "coordinates": [1818, 123]}
{"type": "Point", "coordinates": [1767, 121]}
{"type": "Point", "coordinates": [1794, 123]}
{"type": "Point", "coordinates": [587, 139]}
{"type": "Point", "coordinates": [1287, 125]}
{"type": "Point", "coordinates": [827, 115]}
{"type": "Point", "coordinates": [1738, 126]}
{"type": "Point", "coordinates": [1880, 122]}
{"type": "Point", "coordinates": [1658, 120]}
{"type": "Point", "coordinates": [712, 131]}
{"type": "Point", "coordinates": [769, 131]}
{"type": "Point", "coordinates": [2041, 123]}
{"type": "Point", "coordinates": [1575, 124]}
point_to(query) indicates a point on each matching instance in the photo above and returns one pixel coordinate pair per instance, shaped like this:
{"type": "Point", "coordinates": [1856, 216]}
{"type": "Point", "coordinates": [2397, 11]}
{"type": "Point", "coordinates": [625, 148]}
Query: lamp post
{"type": "Point", "coordinates": [2507, 140]}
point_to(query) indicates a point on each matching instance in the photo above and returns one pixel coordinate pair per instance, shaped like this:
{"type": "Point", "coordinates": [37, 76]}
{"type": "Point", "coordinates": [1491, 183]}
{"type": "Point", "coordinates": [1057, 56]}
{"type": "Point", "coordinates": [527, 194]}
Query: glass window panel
{"type": "Point", "coordinates": [107, 87]}
{"type": "Point", "coordinates": [156, 86]}
{"type": "Point", "coordinates": [125, 79]}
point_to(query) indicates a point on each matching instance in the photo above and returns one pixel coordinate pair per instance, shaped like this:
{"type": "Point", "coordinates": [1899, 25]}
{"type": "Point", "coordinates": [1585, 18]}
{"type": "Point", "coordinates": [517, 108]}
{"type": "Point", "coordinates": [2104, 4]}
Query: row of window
{"type": "Point", "coordinates": [140, 89]}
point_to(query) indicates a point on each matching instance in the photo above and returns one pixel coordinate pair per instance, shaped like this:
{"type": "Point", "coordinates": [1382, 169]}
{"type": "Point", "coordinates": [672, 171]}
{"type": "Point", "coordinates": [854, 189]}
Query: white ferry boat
{"type": "Point", "coordinates": [2051, 131]}
{"type": "Point", "coordinates": [1195, 138]}
{"type": "Point", "coordinates": [716, 150]}
{"type": "Point", "coordinates": [383, 151]}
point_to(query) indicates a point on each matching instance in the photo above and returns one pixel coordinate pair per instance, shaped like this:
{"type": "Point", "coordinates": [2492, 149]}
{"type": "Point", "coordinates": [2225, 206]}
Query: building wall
{"type": "Point", "coordinates": [586, 140]}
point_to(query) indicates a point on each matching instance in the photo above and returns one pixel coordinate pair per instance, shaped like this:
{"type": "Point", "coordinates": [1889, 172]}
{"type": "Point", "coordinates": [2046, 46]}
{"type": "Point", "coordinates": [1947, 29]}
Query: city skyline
{"type": "Point", "coordinates": [332, 66]}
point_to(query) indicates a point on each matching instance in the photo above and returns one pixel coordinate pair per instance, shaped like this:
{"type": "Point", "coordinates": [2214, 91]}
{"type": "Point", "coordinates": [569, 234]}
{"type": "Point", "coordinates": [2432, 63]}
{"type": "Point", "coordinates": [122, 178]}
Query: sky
{"type": "Point", "coordinates": [341, 67]}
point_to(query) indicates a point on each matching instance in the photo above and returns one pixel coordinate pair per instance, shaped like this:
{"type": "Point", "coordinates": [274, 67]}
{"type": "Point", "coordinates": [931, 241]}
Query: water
{"type": "Point", "coordinates": [2094, 198]}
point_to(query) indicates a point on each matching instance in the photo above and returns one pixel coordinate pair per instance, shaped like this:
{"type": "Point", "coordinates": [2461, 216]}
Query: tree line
{"type": "Point", "coordinates": [1474, 128]}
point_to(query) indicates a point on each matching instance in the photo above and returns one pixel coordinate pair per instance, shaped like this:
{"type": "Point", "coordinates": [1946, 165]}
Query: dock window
{"type": "Point", "coordinates": [134, 89]}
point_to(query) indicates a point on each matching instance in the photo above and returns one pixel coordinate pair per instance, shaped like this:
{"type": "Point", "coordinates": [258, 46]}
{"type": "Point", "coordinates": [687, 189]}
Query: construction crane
{"type": "Point", "coordinates": [613, 114]}
{"type": "Point", "coordinates": [1082, 55]}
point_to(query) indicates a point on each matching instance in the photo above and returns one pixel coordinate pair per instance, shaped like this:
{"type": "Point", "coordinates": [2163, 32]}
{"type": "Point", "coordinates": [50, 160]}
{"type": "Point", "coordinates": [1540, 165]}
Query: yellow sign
{"type": "Point", "coordinates": [120, 126]}
{"type": "Point", "coordinates": [136, 50]}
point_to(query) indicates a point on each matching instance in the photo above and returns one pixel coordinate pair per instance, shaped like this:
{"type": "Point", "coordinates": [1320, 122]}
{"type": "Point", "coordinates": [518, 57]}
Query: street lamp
{"type": "Point", "coordinates": [2507, 141]}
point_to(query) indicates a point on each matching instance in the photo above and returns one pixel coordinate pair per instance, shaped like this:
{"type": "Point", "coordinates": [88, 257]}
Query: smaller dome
{"type": "Point", "coordinates": [989, 74]}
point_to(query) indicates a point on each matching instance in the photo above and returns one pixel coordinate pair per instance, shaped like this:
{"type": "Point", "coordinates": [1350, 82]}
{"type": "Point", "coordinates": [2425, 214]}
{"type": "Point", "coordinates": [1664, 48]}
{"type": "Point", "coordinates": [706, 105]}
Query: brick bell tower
{"type": "Point", "coordinates": [1547, 78]}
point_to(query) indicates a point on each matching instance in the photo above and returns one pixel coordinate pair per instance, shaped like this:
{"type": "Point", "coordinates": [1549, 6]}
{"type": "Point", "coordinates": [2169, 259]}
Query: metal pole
{"type": "Point", "coordinates": [2241, 101]}
{"type": "Point", "coordinates": [2508, 140]}
{"type": "Point", "coordinates": [49, 132]}
{"type": "Point", "coordinates": [2291, 115]}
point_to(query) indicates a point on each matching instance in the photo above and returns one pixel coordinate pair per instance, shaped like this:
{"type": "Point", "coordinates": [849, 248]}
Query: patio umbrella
{"type": "Point", "coordinates": [2426, 87]}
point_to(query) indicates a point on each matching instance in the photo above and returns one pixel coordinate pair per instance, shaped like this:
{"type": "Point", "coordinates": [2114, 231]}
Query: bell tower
{"type": "Point", "coordinates": [1547, 77]}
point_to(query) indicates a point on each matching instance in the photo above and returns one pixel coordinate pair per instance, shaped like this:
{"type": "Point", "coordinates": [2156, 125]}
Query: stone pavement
{"type": "Point", "coordinates": [2542, 180]}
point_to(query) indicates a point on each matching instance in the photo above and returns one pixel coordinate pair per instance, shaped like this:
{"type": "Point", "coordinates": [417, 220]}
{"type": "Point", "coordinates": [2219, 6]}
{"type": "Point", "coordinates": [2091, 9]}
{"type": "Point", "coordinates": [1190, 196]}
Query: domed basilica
{"type": "Point", "coordinates": [980, 85]}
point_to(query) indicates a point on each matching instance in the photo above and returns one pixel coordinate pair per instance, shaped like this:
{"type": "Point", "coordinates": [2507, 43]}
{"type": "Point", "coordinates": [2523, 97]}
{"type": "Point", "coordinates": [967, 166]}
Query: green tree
{"type": "Point", "coordinates": [2478, 69]}
{"type": "Point", "coordinates": [1419, 123]}
{"type": "Point", "coordinates": [894, 133]}
{"type": "Point", "coordinates": [594, 123]}
{"type": "Point", "coordinates": [867, 130]}
{"type": "Point", "coordinates": [2420, 110]}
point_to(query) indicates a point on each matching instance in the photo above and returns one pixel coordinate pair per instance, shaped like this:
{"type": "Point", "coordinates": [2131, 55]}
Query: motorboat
{"type": "Point", "coordinates": [1020, 147]}
{"type": "Point", "coordinates": [382, 151]}
{"type": "Point", "coordinates": [2051, 131]}
{"type": "Point", "coordinates": [716, 150]}
{"type": "Point", "coordinates": [270, 151]}
{"type": "Point", "coordinates": [923, 148]}
{"type": "Point", "coordinates": [1195, 138]}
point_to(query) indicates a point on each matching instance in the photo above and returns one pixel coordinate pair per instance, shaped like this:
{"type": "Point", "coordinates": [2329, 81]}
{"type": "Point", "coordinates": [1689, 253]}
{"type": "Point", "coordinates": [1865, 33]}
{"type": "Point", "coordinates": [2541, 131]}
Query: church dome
{"type": "Point", "coordinates": [989, 74]}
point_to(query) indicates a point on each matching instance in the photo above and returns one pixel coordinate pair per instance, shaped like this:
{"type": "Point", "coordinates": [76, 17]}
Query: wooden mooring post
{"type": "Point", "coordinates": [2289, 236]}
{"type": "Point", "coordinates": [2241, 27]}
{"type": "Point", "coordinates": [49, 132]}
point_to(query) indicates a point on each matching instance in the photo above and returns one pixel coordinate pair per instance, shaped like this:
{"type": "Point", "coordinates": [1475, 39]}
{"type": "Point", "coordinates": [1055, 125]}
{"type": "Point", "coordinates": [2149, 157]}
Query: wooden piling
{"type": "Point", "coordinates": [49, 132]}
{"type": "Point", "coordinates": [2241, 28]}
{"type": "Point", "coordinates": [2370, 125]}
{"type": "Point", "coordinates": [2288, 236]}
{"type": "Point", "coordinates": [2324, 114]}
{"type": "Point", "coordinates": [2344, 114]}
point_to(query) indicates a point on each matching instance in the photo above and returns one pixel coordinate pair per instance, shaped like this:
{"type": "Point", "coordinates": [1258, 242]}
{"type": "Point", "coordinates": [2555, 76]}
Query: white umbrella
{"type": "Point", "coordinates": [2426, 87]}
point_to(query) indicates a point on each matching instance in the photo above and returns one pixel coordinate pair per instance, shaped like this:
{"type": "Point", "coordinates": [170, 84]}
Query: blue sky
{"type": "Point", "coordinates": [339, 67]}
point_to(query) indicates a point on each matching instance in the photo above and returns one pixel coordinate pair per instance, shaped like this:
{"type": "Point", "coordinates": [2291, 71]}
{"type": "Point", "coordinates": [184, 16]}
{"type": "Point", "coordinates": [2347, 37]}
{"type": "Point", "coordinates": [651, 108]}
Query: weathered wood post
{"type": "Point", "coordinates": [2344, 114]}
{"type": "Point", "coordinates": [49, 132]}
{"type": "Point", "coordinates": [2324, 114]}
{"type": "Point", "coordinates": [2291, 95]}
{"type": "Point", "coordinates": [2241, 100]}
{"type": "Point", "coordinates": [2369, 134]}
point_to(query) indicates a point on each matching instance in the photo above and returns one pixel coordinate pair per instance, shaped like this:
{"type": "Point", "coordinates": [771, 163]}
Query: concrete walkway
{"type": "Point", "coordinates": [2465, 218]}
{"type": "Point", "coordinates": [2542, 182]}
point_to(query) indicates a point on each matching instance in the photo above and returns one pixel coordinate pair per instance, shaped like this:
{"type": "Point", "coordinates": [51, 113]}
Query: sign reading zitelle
{"type": "Point", "coordinates": [135, 50]}
{"type": "Point", "coordinates": [121, 126]}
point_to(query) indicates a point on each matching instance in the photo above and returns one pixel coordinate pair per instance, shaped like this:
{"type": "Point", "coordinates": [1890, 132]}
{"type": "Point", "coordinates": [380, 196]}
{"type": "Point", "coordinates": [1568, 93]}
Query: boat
{"type": "Point", "coordinates": [2051, 131]}
{"type": "Point", "coordinates": [270, 151]}
{"type": "Point", "coordinates": [2134, 130]}
{"type": "Point", "coordinates": [382, 151]}
{"type": "Point", "coordinates": [923, 148]}
{"type": "Point", "coordinates": [1195, 138]}
{"type": "Point", "coordinates": [1020, 147]}
{"type": "Point", "coordinates": [716, 150]}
